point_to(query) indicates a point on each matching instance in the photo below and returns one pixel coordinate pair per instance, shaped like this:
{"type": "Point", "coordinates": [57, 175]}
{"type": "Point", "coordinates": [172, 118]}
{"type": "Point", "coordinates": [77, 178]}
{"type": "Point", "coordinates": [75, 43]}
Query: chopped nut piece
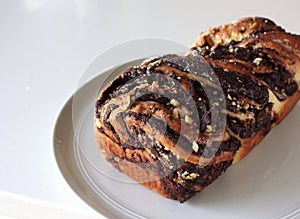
{"type": "Point", "coordinates": [175, 113]}
{"type": "Point", "coordinates": [98, 124]}
{"type": "Point", "coordinates": [174, 90]}
{"type": "Point", "coordinates": [174, 102]}
{"type": "Point", "coordinates": [188, 119]}
{"type": "Point", "coordinates": [179, 181]}
{"type": "Point", "coordinates": [185, 173]}
{"type": "Point", "coordinates": [189, 176]}
{"type": "Point", "coordinates": [257, 61]}
{"type": "Point", "coordinates": [195, 146]}
{"type": "Point", "coordinates": [208, 129]}
{"type": "Point", "coordinates": [155, 84]}
{"type": "Point", "coordinates": [117, 159]}
{"type": "Point", "coordinates": [194, 175]}
{"type": "Point", "coordinates": [153, 156]}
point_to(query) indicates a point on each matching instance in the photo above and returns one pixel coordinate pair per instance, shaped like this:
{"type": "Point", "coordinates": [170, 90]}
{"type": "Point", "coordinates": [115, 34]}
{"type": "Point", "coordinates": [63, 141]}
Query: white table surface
{"type": "Point", "coordinates": [46, 45]}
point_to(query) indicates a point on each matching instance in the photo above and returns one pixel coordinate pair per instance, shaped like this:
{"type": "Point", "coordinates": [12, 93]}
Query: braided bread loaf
{"type": "Point", "coordinates": [176, 123]}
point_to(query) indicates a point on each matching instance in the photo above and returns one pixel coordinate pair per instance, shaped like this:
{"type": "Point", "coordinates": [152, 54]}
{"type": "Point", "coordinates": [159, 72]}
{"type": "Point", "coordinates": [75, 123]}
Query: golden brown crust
{"type": "Point", "coordinates": [236, 31]}
{"type": "Point", "coordinates": [109, 150]}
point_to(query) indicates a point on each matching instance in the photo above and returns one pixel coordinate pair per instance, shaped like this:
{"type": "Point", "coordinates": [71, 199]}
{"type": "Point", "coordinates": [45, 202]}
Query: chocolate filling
{"type": "Point", "coordinates": [163, 128]}
{"type": "Point", "coordinates": [280, 81]}
{"type": "Point", "coordinates": [248, 128]}
{"type": "Point", "coordinates": [241, 85]}
{"type": "Point", "coordinates": [182, 185]}
{"type": "Point", "coordinates": [127, 75]}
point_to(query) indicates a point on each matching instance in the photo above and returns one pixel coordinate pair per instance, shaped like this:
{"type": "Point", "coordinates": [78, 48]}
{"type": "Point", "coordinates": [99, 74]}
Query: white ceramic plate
{"type": "Point", "coordinates": [263, 185]}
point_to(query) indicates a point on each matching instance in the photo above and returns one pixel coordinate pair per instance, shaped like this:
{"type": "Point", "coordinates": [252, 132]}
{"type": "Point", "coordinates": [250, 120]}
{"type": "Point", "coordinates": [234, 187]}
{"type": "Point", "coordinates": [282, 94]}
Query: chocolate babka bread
{"type": "Point", "coordinates": [176, 123]}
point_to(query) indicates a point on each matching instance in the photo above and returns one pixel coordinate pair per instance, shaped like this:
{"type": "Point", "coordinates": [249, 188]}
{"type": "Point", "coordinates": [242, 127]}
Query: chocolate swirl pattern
{"type": "Point", "coordinates": [176, 123]}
